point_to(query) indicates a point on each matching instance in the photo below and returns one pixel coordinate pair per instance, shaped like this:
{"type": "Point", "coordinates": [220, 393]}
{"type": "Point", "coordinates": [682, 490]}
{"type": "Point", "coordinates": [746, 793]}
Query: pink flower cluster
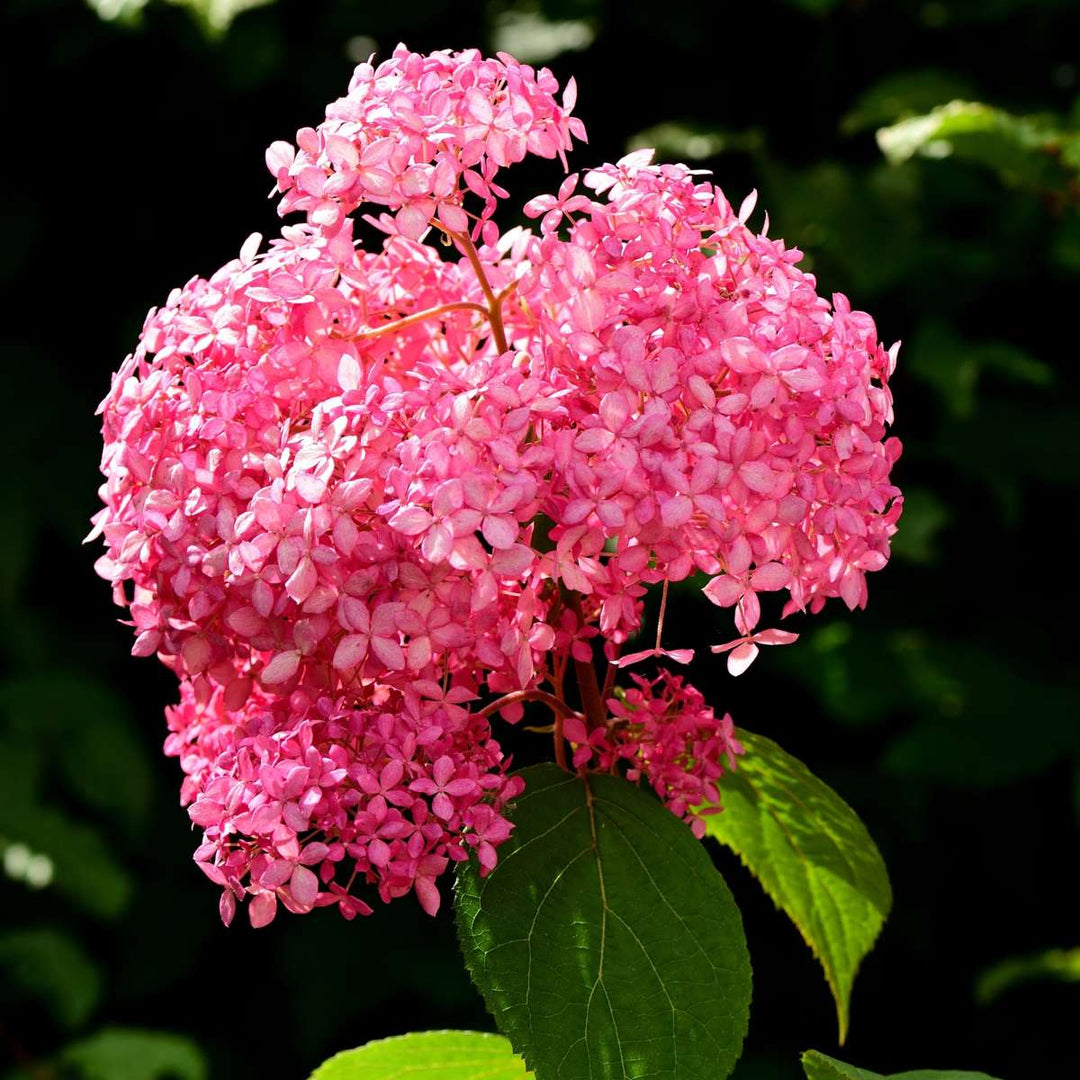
{"type": "Point", "coordinates": [417, 133]}
{"type": "Point", "coordinates": [664, 732]}
{"type": "Point", "coordinates": [349, 492]}
{"type": "Point", "coordinates": [389, 786]}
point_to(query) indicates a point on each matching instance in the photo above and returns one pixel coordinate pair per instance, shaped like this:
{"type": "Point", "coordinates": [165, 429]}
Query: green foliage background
{"type": "Point", "coordinates": [925, 156]}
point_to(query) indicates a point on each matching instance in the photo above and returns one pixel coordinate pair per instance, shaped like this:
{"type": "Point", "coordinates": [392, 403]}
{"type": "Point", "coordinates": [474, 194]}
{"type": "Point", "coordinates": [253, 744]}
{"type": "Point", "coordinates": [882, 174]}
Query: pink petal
{"type": "Point", "coordinates": [304, 886]}
{"type": "Point", "coordinates": [771, 576]}
{"type": "Point", "coordinates": [742, 657]}
{"type": "Point", "coordinates": [453, 217]}
{"type": "Point", "coordinates": [410, 520]}
{"type": "Point", "coordinates": [350, 651]}
{"type": "Point", "coordinates": [389, 652]}
{"type": "Point", "coordinates": [776, 637]}
{"type": "Point", "coordinates": [680, 656]}
{"type": "Point", "coordinates": [728, 645]}
{"type": "Point", "coordinates": [262, 909]}
{"type": "Point", "coordinates": [500, 531]}
{"type": "Point", "coordinates": [428, 895]}
{"type": "Point", "coordinates": [227, 906]}
{"type": "Point", "coordinates": [724, 590]}
{"type": "Point", "coordinates": [281, 668]}
{"type": "Point", "coordinates": [633, 658]}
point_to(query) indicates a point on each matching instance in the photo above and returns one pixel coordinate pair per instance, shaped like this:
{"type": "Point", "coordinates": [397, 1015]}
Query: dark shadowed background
{"type": "Point", "coordinates": [945, 714]}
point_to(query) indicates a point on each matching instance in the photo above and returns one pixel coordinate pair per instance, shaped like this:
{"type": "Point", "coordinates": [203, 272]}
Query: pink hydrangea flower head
{"type": "Point", "coordinates": [362, 502]}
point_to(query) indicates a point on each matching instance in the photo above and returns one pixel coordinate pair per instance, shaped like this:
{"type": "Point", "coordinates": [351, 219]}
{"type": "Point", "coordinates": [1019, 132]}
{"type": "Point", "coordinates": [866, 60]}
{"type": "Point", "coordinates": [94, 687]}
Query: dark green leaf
{"type": "Point", "coordinates": [90, 739]}
{"type": "Point", "coordinates": [954, 366]}
{"type": "Point", "coordinates": [604, 942]}
{"type": "Point", "coordinates": [812, 855]}
{"type": "Point", "coordinates": [81, 864]}
{"type": "Point", "coordinates": [925, 515]}
{"type": "Point", "coordinates": [436, 1055]}
{"type": "Point", "coordinates": [47, 966]}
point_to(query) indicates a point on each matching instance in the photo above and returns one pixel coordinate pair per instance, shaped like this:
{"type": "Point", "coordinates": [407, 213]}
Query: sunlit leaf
{"type": "Point", "coordinates": [428, 1055]}
{"type": "Point", "coordinates": [812, 855]}
{"type": "Point", "coordinates": [1025, 151]}
{"type": "Point", "coordinates": [819, 1066]}
{"type": "Point", "coordinates": [534, 39]}
{"type": "Point", "coordinates": [215, 16]}
{"type": "Point", "coordinates": [604, 942]}
{"type": "Point", "coordinates": [903, 94]}
{"type": "Point", "coordinates": [686, 141]}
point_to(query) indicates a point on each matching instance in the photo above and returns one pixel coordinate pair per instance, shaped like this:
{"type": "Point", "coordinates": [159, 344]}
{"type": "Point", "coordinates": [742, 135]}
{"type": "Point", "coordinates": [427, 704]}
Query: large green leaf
{"type": "Point", "coordinates": [819, 1066]}
{"type": "Point", "coordinates": [436, 1055]}
{"type": "Point", "coordinates": [812, 855]}
{"type": "Point", "coordinates": [604, 942]}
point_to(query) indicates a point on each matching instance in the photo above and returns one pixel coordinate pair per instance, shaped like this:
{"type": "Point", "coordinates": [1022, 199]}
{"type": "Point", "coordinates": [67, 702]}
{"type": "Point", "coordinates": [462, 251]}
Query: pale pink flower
{"type": "Point", "coordinates": [743, 651]}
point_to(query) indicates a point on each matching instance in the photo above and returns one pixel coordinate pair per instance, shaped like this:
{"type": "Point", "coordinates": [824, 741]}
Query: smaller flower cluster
{"type": "Point", "coordinates": [300, 798]}
{"type": "Point", "coordinates": [418, 132]}
{"type": "Point", "coordinates": [664, 732]}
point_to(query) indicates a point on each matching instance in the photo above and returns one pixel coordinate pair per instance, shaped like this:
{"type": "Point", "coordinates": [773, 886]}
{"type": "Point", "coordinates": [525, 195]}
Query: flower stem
{"type": "Point", "coordinates": [494, 302]}
{"type": "Point", "coordinates": [419, 316]}
{"type": "Point", "coordinates": [660, 617]}
{"type": "Point", "coordinates": [559, 708]}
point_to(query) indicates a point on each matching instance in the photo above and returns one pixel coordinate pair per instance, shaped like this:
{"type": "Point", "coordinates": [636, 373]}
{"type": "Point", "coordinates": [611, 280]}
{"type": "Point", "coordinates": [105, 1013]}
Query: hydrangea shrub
{"type": "Point", "coordinates": [369, 503]}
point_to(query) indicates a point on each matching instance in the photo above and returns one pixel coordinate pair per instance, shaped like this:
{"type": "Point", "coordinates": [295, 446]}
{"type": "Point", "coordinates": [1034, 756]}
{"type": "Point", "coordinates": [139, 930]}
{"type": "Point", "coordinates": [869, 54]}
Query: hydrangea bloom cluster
{"type": "Point", "coordinates": [664, 732]}
{"type": "Point", "coordinates": [364, 501]}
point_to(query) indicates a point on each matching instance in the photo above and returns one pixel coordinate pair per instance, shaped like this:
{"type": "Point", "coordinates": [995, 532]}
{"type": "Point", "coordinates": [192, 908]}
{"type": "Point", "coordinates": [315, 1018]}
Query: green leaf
{"type": "Point", "coordinates": [675, 140]}
{"type": "Point", "coordinates": [812, 855]}
{"type": "Point", "coordinates": [903, 94]}
{"type": "Point", "coordinates": [1059, 965]}
{"type": "Point", "coordinates": [604, 942]}
{"type": "Point", "coordinates": [439, 1055]}
{"type": "Point", "coordinates": [926, 514]}
{"type": "Point", "coordinates": [130, 1054]}
{"type": "Point", "coordinates": [80, 863]}
{"type": "Point", "coordinates": [1025, 151]}
{"type": "Point", "coordinates": [51, 968]}
{"type": "Point", "coordinates": [953, 366]}
{"type": "Point", "coordinates": [819, 1066]}
{"type": "Point", "coordinates": [88, 737]}
{"type": "Point", "coordinates": [534, 39]}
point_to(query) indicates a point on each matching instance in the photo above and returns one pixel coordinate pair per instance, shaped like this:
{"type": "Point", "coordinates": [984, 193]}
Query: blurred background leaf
{"type": "Point", "coordinates": [123, 1054]}
{"type": "Point", "coordinates": [1057, 965]}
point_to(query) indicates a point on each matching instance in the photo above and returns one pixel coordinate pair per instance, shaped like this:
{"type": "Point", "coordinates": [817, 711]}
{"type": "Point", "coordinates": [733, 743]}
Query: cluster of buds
{"type": "Point", "coordinates": [364, 501]}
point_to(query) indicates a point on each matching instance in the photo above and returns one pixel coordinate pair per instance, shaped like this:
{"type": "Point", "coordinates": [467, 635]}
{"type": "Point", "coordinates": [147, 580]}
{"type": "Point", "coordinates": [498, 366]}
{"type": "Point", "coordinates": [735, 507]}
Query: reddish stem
{"type": "Point", "coordinates": [560, 744]}
{"type": "Point", "coordinates": [589, 688]}
{"type": "Point", "coordinates": [559, 708]}
{"type": "Point", "coordinates": [410, 320]}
